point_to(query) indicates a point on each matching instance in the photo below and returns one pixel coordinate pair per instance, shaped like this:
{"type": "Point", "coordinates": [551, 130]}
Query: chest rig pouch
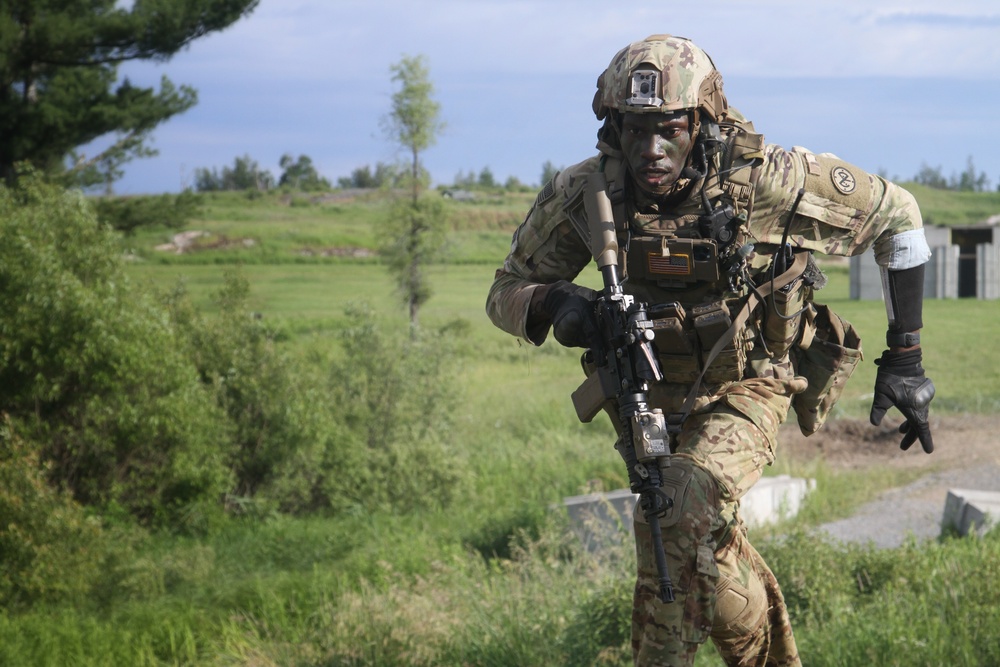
{"type": "Point", "coordinates": [684, 336]}
{"type": "Point", "coordinates": [698, 258]}
{"type": "Point", "coordinates": [684, 279]}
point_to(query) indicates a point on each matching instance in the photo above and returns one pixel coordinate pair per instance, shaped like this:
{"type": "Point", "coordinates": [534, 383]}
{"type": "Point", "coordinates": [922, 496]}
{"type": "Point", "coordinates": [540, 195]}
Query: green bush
{"type": "Point", "coordinates": [920, 604]}
{"type": "Point", "coordinates": [393, 396]}
{"type": "Point", "coordinates": [47, 543]}
{"type": "Point", "coordinates": [276, 405]}
{"type": "Point", "coordinates": [91, 370]}
{"type": "Point", "coordinates": [127, 214]}
{"type": "Point", "coordinates": [600, 630]}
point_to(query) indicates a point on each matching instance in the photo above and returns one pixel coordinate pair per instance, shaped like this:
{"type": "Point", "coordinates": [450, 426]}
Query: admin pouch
{"type": "Point", "coordinates": [827, 356]}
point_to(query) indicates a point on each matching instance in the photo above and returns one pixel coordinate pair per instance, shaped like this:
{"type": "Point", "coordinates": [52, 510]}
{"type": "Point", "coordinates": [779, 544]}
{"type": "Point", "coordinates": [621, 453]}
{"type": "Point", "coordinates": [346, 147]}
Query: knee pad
{"type": "Point", "coordinates": [695, 500]}
{"type": "Point", "coordinates": [741, 606]}
{"type": "Point", "coordinates": [694, 511]}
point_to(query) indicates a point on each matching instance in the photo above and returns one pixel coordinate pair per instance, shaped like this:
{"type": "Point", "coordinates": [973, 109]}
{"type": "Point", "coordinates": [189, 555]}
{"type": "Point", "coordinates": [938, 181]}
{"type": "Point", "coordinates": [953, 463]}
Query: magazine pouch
{"type": "Point", "coordinates": [826, 356]}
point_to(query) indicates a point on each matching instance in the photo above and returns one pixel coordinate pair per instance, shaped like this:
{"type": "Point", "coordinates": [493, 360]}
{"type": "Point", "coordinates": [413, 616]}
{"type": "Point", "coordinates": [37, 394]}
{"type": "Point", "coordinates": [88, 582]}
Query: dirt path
{"type": "Point", "coordinates": [966, 456]}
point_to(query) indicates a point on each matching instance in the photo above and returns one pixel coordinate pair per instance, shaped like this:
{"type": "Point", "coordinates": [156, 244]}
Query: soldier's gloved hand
{"type": "Point", "coordinates": [570, 310]}
{"type": "Point", "coordinates": [901, 382]}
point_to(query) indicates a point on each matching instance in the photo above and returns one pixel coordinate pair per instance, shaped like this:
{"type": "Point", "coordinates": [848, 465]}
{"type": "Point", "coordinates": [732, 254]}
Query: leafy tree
{"type": "Point", "coordinates": [414, 124]}
{"type": "Point", "coordinates": [414, 234]}
{"type": "Point", "coordinates": [465, 180]}
{"type": "Point", "coordinates": [363, 177]}
{"type": "Point", "coordinates": [245, 174]}
{"type": "Point", "coordinates": [360, 178]}
{"type": "Point", "coordinates": [970, 180]}
{"type": "Point", "coordinates": [414, 121]}
{"type": "Point", "coordinates": [931, 177]}
{"type": "Point", "coordinates": [59, 87]}
{"type": "Point", "coordinates": [301, 174]}
{"type": "Point", "coordinates": [513, 183]}
{"type": "Point", "coordinates": [486, 179]}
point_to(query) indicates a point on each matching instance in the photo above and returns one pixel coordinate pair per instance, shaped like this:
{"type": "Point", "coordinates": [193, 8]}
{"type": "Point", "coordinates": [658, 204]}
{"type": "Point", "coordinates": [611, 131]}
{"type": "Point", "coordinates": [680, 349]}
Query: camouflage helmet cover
{"type": "Point", "coordinates": [658, 74]}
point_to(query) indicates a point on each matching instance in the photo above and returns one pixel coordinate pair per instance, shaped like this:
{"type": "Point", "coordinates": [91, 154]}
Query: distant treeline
{"type": "Point", "coordinates": [301, 174]}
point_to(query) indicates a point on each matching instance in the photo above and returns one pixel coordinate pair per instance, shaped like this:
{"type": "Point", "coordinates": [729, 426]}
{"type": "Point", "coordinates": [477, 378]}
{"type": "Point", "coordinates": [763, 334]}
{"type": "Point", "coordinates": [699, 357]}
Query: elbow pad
{"type": "Point", "coordinates": [904, 303]}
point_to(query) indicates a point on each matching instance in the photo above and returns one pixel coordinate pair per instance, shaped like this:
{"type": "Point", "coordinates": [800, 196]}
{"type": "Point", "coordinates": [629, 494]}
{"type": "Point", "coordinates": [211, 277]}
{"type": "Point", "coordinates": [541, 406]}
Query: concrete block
{"type": "Point", "coordinates": [968, 511]}
{"type": "Point", "coordinates": [774, 498]}
{"type": "Point", "coordinates": [605, 519]}
{"type": "Point", "coordinates": [602, 519]}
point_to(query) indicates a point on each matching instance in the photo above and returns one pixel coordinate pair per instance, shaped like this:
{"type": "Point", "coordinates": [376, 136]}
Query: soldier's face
{"type": "Point", "coordinates": [656, 147]}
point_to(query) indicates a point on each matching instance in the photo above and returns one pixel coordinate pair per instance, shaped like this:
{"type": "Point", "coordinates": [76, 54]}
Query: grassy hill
{"type": "Point", "coordinates": [951, 208]}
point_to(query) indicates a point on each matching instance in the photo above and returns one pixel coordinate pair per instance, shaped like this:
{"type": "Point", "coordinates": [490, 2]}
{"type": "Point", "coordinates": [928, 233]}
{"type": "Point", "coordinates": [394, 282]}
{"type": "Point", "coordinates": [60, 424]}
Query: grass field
{"type": "Point", "coordinates": [494, 579]}
{"type": "Point", "coordinates": [312, 298]}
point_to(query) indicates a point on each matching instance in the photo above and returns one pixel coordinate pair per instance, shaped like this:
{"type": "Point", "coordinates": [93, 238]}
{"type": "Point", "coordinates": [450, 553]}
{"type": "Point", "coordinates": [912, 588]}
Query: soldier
{"type": "Point", "coordinates": [717, 227]}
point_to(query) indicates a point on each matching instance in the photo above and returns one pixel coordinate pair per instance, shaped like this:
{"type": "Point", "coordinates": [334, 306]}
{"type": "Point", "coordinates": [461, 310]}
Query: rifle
{"type": "Point", "coordinates": [624, 365]}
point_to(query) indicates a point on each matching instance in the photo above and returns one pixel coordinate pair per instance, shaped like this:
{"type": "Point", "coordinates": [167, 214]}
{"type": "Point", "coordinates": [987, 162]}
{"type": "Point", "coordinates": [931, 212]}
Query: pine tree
{"type": "Point", "coordinates": [59, 86]}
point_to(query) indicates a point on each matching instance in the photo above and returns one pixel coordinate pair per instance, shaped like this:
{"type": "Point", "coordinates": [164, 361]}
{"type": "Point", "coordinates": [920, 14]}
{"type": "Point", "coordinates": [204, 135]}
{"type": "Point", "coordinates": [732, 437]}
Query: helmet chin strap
{"type": "Point", "coordinates": [697, 153]}
{"type": "Point", "coordinates": [696, 124]}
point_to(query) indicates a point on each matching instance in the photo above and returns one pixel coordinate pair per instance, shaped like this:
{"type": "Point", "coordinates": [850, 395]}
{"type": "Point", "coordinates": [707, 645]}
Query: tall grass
{"type": "Point", "coordinates": [548, 603]}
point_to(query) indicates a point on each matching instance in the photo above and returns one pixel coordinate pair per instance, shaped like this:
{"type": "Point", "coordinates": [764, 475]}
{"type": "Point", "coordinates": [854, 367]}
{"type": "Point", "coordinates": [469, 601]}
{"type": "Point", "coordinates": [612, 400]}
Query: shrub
{"type": "Point", "coordinates": [50, 549]}
{"type": "Point", "coordinates": [393, 401]}
{"type": "Point", "coordinates": [275, 403]}
{"type": "Point", "coordinates": [127, 214]}
{"type": "Point", "coordinates": [599, 632]}
{"type": "Point", "coordinates": [91, 370]}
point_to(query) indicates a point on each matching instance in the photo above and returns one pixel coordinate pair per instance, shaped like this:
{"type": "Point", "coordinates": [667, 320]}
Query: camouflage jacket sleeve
{"type": "Point", "coordinates": [545, 248]}
{"type": "Point", "coordinates": [844, 210]}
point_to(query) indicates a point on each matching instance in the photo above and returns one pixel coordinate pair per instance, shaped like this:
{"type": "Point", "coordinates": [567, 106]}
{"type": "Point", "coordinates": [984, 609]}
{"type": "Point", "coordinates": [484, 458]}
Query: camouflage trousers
{"type": "Point", "coordinates": [723, 588]}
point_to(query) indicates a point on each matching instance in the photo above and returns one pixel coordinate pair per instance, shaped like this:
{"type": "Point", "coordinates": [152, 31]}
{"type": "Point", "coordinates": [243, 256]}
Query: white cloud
{"type": "Point", "coordinates": [515, 77]}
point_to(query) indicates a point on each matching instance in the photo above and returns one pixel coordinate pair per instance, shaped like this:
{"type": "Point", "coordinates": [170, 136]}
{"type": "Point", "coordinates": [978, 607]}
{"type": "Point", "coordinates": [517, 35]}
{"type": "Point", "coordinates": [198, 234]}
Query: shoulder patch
{"type": "Point", "coordinates": [840, 182]}
{"type": "Point", "coordinates": [843, 179]}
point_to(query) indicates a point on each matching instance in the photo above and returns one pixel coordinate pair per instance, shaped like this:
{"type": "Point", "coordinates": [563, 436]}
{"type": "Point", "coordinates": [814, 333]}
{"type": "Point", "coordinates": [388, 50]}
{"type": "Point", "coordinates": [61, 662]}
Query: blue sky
{"type": "Point", "coordinates": [890, 86]}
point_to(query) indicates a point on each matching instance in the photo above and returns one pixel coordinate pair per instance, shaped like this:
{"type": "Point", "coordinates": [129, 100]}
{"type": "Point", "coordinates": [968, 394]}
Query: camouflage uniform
{"type": "Point", "coordinates": [724, 589]}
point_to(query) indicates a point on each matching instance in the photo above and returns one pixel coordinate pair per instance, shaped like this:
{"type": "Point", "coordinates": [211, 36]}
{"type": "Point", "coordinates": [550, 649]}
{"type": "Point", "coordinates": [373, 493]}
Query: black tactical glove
{"type": "Point", "coordinates": [901, 382]}
{"type": "Point", "coordinates": [569, 308]}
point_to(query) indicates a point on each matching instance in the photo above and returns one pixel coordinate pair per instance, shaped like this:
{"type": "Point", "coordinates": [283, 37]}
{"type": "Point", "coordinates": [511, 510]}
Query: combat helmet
{"type": "Point", "coordinates": [658, 74]}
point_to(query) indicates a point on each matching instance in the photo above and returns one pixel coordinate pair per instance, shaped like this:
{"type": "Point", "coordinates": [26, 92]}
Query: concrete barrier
{"type": "Point", "coordinates": [602, 520]}
{"type": "Point", "coordinates": [774, 498]}
{"type": "Point", "coordinates": [605, 519]}
{"type": "Point", "coordinates": [968, 511]}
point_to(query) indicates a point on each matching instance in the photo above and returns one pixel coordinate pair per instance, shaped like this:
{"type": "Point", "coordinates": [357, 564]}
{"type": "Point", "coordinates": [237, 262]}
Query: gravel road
{"type": "Point", "coordinates": [966, 456]}
{"type": "Point", "coordinates": [913, 510]}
